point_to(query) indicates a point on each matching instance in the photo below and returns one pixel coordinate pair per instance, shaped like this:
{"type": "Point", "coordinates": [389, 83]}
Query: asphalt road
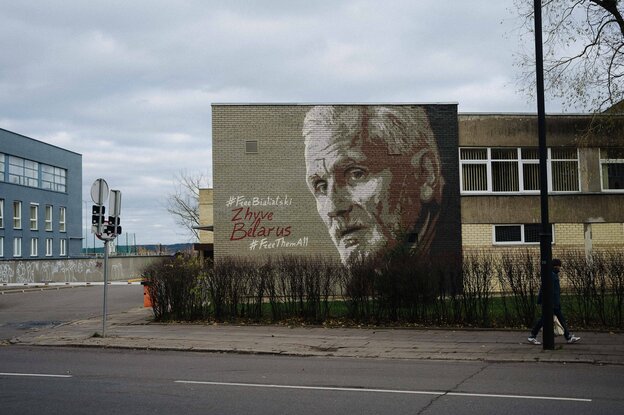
{"type": "Point", "coordinates": [105, 381]}
{"type": "Point", "coordinates": [20, 311]}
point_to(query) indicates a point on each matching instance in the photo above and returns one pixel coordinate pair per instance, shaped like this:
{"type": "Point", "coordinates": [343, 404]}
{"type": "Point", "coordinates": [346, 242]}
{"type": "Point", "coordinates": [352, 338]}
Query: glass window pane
{"type": "Point", "coordinates": [530, 176]}
{"type": "Point", "coordinates": [565, 176]}
{"type": "Point", "coordinates": [563, 154]}
{"type": "Point", "coordinates": [474, 177]}
{"type": "Point", "coordinates": [507, 233]}
{"type": "Point", "coordinates": [473, 153]}
{"type": "Point", "coordinates": [530, 154]}
{"type": "Point", "coordinates": [613, 176]}
{"type": "Point", "coordinates": [504, 154]}
{"type": "Point", "coordinates": [532, 233]}
{"type": "Point", "coordinates": [505, 177]}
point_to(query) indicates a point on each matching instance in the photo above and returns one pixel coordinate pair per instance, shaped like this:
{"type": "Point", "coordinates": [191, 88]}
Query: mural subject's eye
{"type": "Point", "coordinates": [353, 175]}
{"type": "Point", "coordinates": [320, 186]}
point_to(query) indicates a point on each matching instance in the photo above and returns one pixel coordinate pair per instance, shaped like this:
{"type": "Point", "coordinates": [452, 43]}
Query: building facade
{"type": "Point", "coordinates": [40, 199]}
{"type": "Point", "coordinates": [499, 182]}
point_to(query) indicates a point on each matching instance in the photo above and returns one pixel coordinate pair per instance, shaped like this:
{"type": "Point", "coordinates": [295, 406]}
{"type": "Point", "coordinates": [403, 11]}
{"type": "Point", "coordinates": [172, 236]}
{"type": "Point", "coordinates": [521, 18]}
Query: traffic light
{"type": "Point", "coordinates": [113, 226]}
{"type": "Point", "coordinates": [97, 218]}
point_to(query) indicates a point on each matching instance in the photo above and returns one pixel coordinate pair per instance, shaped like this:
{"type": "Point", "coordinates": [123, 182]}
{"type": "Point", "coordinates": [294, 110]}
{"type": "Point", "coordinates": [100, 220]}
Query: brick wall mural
{"type": "Point", "coordinates": [341, 181]}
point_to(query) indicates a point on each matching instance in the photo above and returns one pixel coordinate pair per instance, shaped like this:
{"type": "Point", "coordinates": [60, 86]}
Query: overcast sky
{"type": "Point", "coordinates": [128, 84]}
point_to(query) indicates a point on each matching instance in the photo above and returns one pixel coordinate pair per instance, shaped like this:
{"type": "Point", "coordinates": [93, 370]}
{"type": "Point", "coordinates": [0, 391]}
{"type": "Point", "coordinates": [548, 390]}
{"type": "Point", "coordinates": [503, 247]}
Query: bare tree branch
{"type": "Point", "coordinates": [183, 202]}
{"type": "Point", "coordinates": [583, 63]}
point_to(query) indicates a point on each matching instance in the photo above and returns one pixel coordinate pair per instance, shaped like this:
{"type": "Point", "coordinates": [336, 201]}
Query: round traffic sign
{"type": "Point", "coordinates": [99, 191]}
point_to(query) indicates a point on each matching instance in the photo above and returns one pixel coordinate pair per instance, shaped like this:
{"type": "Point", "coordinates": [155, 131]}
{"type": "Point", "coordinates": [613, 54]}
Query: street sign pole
{"type": "Point", "coordinates": [105, 311]}
{"type": "Point", "coordinates": [105, 230]}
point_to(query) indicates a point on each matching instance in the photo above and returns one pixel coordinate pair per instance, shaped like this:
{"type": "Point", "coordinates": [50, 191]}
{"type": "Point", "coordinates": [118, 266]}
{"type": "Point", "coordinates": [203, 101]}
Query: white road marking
{"type": "Point", "coordinates": [39, 375]}
{"type": "Point", "coordinates": [407, 392]}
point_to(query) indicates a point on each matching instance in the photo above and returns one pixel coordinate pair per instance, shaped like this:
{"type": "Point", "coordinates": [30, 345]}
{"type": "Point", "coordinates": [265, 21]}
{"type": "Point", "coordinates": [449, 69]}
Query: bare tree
{"type": "Point", "coordinates": [183, 202]}
{"type": "Point", "coordinates": [583, 51]}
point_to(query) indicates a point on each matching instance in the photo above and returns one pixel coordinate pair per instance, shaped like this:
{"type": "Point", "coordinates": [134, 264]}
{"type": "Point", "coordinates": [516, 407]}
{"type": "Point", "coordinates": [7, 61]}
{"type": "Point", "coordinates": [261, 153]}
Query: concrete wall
{"type": "Point", "coordinates": [73, 270]}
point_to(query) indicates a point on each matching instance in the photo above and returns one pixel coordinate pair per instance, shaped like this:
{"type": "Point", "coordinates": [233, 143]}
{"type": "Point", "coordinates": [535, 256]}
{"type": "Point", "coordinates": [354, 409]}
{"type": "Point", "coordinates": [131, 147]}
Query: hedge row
{"type": "Point", "coordinates": [485, 290]}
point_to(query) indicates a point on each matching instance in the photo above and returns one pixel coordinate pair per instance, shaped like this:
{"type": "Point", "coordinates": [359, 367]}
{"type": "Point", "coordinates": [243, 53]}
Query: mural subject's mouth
{"type": "Point", "coordinates": [348, 235]}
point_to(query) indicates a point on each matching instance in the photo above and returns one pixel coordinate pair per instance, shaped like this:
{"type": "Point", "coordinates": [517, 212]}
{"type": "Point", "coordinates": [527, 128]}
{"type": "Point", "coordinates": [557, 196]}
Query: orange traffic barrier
{"type": "Point", "coordinates": [147, 299]}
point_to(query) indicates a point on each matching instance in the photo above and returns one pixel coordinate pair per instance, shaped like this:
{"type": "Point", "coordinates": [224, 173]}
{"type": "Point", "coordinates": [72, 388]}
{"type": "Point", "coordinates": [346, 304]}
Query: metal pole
{"type": "Point", "coordinates": [546, 233]}
{"type": "Point", "coordinates": [105, 311]}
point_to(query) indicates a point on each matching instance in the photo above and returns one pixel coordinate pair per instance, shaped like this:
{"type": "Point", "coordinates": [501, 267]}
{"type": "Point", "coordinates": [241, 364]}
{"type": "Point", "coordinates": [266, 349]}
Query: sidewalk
{"type": "Point", "coordinates": [134, 330]}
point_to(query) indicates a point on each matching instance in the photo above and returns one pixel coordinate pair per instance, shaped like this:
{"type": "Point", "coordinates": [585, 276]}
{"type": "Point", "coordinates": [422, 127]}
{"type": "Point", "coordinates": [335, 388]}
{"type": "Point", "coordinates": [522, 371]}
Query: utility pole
{"type": "Point", "coordinates": [546, 231]}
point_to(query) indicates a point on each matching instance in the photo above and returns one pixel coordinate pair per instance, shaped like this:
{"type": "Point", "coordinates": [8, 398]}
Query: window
{"type": "Point", "coordinates": [2, 167]}
{"type": "Point", "coordinates": [62, 211]}
{"type": "Point", "coordinates": [1, 213]}
{"type": "Point", "coordinates": [49, 242]}
{"type": "Point", "coordinates": [1, 246]}
{"type": "Point", "coordinates": [63, 247]}
{"type": "Point", "coordinates": [34, 242]}
{"type": "Point", "coordinates": [53, 178]}
{"type": "Point", "coordinates": [505, 170]}
{"type": "Point", "coordinates": [17, 246]}
{"type": "Point", "coordinates": [474, 167]}
{"type": "Point", "coordinates": [518, 234]}
{"type": "Point", "coordinates": [251, 146]}
{"type": "Point", "coordinates": [17, 215]}
{"type": "Point", "coordinates": [516, 170]}
{"type": "Point", "coordinates": [34, 217]}
{"type": "Point", "coordinates": [564, 169]}
{"type": "Point", "coordinates": [24, 172]}
{"type": "Point", "coordinates": [612, 168]}
{"type": "Point", "coordinates": [48, 218]}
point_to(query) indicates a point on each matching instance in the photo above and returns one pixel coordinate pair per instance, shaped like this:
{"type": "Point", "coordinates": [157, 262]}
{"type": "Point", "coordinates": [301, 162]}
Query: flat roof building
{"type": "Point", "coordinates": [40, 199]}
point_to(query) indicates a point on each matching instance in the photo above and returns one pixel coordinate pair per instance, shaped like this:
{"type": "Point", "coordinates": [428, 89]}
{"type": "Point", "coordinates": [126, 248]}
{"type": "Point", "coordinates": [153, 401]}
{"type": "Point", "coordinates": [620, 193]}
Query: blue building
{"type": "Point", "coordinates": [40, 199]}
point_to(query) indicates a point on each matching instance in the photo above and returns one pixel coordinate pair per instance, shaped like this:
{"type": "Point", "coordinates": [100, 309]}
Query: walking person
{"type": "Point", "coordinates": [556, 267]}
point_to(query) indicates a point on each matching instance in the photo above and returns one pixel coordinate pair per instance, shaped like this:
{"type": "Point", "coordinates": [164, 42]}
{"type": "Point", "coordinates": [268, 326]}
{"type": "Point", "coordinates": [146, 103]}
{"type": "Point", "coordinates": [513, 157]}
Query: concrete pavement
{"type": "Point", "coordinates": [134, 329]}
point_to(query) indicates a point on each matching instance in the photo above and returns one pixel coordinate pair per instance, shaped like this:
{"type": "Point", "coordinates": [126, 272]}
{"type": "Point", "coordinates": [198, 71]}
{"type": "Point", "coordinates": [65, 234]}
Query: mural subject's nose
{"type": "Point", "coordinates": [340, 203]}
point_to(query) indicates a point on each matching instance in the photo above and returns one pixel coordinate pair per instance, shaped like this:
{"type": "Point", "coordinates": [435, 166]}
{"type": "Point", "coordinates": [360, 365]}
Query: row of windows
{"type": "Point", "coordinates": [516, 170]}
{"type": "Point", "coordinates": [34, 247]}
{"type": "Point", "coordinates": [31, 173]}
{"type": "Point", "coordinates": [34, 216]}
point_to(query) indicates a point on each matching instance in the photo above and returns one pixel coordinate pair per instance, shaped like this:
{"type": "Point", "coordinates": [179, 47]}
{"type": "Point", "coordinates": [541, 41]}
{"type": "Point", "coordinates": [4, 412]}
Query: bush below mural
{"type": "Point", "coordinates": [486, 290]}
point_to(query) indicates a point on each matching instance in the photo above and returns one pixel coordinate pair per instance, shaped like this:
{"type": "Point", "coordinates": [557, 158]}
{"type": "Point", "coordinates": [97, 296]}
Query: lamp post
{"type": "Point", "coordinates": [546, 232]}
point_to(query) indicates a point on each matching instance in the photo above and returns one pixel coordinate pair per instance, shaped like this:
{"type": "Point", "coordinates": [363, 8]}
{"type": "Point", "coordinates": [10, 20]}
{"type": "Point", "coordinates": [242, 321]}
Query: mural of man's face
{"type": "Point", "coordinates": [363, 195]}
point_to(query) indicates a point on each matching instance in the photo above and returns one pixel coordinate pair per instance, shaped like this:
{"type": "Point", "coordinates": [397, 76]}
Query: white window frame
{"type": "Point", "coordinates": [17, 246]}
{"type": "Point", "coordinates": [603, 161]}
{"type": "Point", "coordinates": [521, 163]}
{"type": "Point", "coordinates": [521, 241]}
{"type": "Point", "coordinates": [49, 246]}
{"type": "Point", "coordinates": [1, 213]}
{"type": "Point", "coordinates": [34, 221]}
{"type": "Point", "coordinates": [62, 219]}
{"type": "Point", "coordinates": [48, 218]}
{"type": "Point", "coordinates": [17, 214]}
{"type": "Point", "coordinates": [1, 246]}
{"type": "Point", "coordinates": [34, 247]}
{"type": "Point", "coordinates": [62, 247]}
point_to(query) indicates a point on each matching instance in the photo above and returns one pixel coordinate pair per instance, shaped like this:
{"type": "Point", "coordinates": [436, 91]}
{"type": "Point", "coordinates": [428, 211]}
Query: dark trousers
{"type": "Point", "coordinates": [562, 320]}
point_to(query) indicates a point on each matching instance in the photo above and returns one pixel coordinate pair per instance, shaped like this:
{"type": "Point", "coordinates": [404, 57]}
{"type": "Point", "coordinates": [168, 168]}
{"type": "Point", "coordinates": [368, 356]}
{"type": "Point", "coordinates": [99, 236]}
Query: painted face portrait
{"type": "Point", "coordinates": [375, 174]}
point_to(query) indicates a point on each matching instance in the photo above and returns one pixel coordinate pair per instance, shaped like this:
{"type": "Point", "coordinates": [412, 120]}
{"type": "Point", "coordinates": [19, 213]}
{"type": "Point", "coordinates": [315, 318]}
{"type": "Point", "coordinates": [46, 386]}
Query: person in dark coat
{"type": "Point", "coordinates": [556, 268]}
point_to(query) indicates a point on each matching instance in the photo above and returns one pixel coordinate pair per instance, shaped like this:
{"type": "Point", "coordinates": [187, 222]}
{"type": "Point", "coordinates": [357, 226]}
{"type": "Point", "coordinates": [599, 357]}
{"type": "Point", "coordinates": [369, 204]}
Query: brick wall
{"type": "Point", "coordinates": [262, 205]}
